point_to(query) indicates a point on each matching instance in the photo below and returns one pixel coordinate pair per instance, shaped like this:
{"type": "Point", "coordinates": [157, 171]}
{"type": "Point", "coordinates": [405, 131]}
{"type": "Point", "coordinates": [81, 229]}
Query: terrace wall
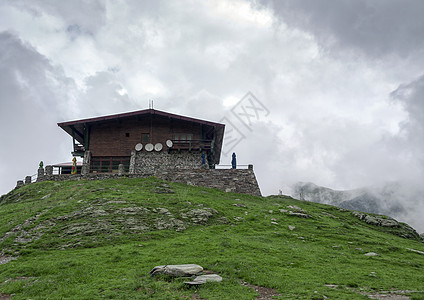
{"type": "Point", "coordinates": [228, 180]}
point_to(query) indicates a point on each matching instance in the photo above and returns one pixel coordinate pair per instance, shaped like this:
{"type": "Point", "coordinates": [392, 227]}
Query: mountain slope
{"type": "Point", "coordinates": [100, 239]}
{"type": "Point", "coordinates": [401, 200]}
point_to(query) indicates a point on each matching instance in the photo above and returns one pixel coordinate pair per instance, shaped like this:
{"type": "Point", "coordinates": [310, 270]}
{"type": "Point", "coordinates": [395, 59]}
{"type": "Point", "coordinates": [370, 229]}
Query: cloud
{"type": "Point", "coordinates": [376, 28]}
{"type": "Point", "coordinates": [34, 96]}
{"type": "Point", "coordinates": [410, 142]}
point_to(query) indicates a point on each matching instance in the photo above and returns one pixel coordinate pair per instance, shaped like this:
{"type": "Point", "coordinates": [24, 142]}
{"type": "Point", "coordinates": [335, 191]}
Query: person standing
{"type": "Point", "coordinates": [234, 161]}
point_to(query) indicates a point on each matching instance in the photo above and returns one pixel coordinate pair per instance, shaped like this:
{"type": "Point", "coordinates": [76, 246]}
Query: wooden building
{"type": "Point", "coordinates": [149, 135]}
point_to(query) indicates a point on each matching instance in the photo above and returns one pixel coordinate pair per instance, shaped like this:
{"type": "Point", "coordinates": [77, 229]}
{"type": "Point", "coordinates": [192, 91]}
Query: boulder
{"type": "Point", "coordinates": [371, 220]}
{"type": "Point", "coordinates": [205, 278]}
{"type": "Point", "coordinates": [177, 270]}
{"type": "Point", "coordinates": [389, 223]}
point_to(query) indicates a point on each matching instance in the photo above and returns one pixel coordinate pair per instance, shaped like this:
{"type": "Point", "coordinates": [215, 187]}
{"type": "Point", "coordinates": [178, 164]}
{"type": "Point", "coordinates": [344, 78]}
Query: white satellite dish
{"type": "Point", "coordinates": [169, 143]}
{"type": "Point", "coordinates": [158, 147]}
{"type": "Point", "coordinates": [148, 147]}
{"type": "Point", "coordinates": [138, 147]}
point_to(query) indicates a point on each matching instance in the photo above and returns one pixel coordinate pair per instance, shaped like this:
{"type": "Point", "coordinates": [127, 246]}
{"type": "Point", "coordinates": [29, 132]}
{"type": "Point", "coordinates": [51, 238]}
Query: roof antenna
{"type": "Point", "coordinates": [150, 104]}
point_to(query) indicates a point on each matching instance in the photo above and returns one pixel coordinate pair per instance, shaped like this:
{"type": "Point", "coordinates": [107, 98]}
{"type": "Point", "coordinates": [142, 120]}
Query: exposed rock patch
{"type": "Point", "coordinates": [294, 210]}
{"type": "Point", "coordinates": [400, 229]}
{"type": "Point", "coordinates": [199, 215]}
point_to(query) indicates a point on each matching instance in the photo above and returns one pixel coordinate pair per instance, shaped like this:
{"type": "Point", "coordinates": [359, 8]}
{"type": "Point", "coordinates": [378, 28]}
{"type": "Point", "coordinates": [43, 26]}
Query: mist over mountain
{"type": "Point", "coordinates": [399, 200]}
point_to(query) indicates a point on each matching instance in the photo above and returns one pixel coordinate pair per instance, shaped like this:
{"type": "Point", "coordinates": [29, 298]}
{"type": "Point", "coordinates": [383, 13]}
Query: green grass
{"type": "Point", "coordinates": [86, 249]}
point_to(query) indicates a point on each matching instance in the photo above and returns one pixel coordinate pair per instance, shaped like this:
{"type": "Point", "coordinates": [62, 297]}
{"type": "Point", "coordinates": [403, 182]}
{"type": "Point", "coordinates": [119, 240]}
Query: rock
{"type": "Point", "coordinates": [371, 254]}
{"type": "Point", "coordinates": [205, 278]}
{"type": "Point", "coordinates": [161, 210]}
{"type": "Point", "coordinates": [239, 205]}
{"type": "Point", "coordinates": [376, 220]}
{"type": "Point", "coordinates": [416, 251]}
{"type": "Point", "coordinates": [371, 220]}
{"type": "Point", "coordinates": [169, 223]}
{"type": "Point", "coordinates": [291, 227]}
{"type": "Point", "coordinates": [6, 259]}
{"type": "Point", "coordinates": [274, 223]}
{"type": "Point", "coordinates": [46, 196]}
{"type": "Point", "coordinates": [359, 215]}
{"type": "Point", "coordinates": [389, 223]}
{"type": "Point", "coordinates": [177, 270]}
{"type": "Point", "coordinates": [329, 215]}
{"type": "Point", "coordinates": [199, 215]}
{"type": "Point", "coordinates": [295, 208]}
{"type": "Point", "coordinates": [298, 214]}
{"type": "Point", "coordinates": [163, 190]}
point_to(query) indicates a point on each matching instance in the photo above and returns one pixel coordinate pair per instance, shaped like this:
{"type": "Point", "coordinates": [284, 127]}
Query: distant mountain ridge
{"type": "Point", "coordinates": [393, 199]}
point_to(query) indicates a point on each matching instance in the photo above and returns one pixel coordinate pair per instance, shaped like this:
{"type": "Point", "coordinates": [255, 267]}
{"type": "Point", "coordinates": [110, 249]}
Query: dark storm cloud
{"type": "Point", "coordinates": [376, 27]}
{"type": "Point", "coordinates": [33, 96]}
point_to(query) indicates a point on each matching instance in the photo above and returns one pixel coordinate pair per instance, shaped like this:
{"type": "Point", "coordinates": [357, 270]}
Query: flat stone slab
{"type": "Point", "coordinates": [371, 254]}
{"type": "Point", "coordinates": [177, 270]}
{"type": "Point", "coordinates": [205, 278]}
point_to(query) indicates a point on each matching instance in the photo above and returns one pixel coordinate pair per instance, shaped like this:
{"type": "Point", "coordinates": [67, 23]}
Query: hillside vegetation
{"type": "Point", "coordinates": [100, 239]}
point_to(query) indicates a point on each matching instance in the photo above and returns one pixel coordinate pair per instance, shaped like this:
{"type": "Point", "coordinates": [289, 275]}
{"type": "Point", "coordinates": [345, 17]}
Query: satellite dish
{"type": "Point", "coordinates": [169, 143]}
{"type": "Point", "coordinates": [158, 147]}
{"type": "Point", "coordinates": [138, 147]}
{"type": "Point", "coordinates": [148, 147]}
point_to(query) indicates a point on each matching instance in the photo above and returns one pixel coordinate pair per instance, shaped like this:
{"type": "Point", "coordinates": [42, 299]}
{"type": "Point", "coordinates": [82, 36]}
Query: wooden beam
{"type": "Point", "coordinates": [86, 136]}
{"type": "Point", "coordinates": [76, 131]}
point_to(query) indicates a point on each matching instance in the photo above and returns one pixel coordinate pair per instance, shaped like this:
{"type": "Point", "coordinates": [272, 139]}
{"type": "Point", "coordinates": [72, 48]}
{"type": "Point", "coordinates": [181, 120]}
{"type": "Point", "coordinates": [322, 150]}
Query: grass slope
{"type": "Point", "coordinates": [100, 239]}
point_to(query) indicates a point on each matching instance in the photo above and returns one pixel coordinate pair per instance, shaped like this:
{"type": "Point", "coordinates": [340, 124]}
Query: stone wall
{"type": "Point", "coordinates": [151, 162]}
{"type": "Point", "coordinates": [228, 180]}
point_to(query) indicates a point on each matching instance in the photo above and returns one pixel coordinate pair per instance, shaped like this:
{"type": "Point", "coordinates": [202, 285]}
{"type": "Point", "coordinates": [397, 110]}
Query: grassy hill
{"type": "Point", "coordinates": [100, 239]}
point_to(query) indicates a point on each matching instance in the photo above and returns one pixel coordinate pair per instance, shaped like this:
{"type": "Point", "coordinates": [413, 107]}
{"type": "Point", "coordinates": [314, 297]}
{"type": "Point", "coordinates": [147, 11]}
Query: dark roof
{"type": "Point", "coordinates": [138, 113]}
{"type": "Point", "coordinates": [78, 125]}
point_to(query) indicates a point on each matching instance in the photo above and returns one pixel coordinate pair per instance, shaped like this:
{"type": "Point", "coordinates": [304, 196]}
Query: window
{"type": "Point", "coordinates": [109, 164]}
{"type": "Point", "coordinates": [183, 137]}
{"type": "Point", "coordinates": [127, 134]}
{"type": "Point", "coordinates": [144, 138]}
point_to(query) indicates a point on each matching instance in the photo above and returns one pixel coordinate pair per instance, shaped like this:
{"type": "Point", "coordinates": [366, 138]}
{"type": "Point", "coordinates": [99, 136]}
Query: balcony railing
{"type": "Point", "coordinates": [192, 145]}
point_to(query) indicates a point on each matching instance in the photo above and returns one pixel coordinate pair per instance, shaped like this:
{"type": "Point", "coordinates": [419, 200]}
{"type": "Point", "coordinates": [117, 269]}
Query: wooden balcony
{"type": "Point", "coordinates": [191, 145]}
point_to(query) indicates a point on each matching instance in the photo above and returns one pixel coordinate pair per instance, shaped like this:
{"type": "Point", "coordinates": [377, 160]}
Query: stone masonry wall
{"type": "Point", "coordinates": [151, 162]}
{"type": "Point", "coordinates": [228, 180]}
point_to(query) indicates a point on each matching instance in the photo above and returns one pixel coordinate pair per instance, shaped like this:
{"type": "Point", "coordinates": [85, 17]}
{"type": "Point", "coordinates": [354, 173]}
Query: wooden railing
{"type": "Point", "coordinates": [192, 145]}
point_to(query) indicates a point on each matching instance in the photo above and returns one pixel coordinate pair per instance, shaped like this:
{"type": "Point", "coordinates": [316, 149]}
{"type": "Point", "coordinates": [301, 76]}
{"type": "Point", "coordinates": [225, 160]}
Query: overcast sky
{"type": "Point", "coordinates": [338, 85]}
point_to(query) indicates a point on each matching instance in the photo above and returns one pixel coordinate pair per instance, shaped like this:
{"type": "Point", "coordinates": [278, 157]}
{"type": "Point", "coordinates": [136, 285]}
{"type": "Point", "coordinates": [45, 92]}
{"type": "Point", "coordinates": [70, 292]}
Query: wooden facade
{"type": "Point", "coordinates": [111, 139]}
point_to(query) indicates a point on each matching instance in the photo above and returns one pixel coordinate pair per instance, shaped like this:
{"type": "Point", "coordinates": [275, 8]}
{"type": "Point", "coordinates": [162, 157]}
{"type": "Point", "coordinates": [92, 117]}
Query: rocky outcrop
{"type": "Point", "coordinates": [397, 228]}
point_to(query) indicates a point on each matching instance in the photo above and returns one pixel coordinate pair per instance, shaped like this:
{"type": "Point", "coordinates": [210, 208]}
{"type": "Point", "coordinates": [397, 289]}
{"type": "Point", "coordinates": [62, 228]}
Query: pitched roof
{"type": "Point", "coordinates": [78, 125]}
